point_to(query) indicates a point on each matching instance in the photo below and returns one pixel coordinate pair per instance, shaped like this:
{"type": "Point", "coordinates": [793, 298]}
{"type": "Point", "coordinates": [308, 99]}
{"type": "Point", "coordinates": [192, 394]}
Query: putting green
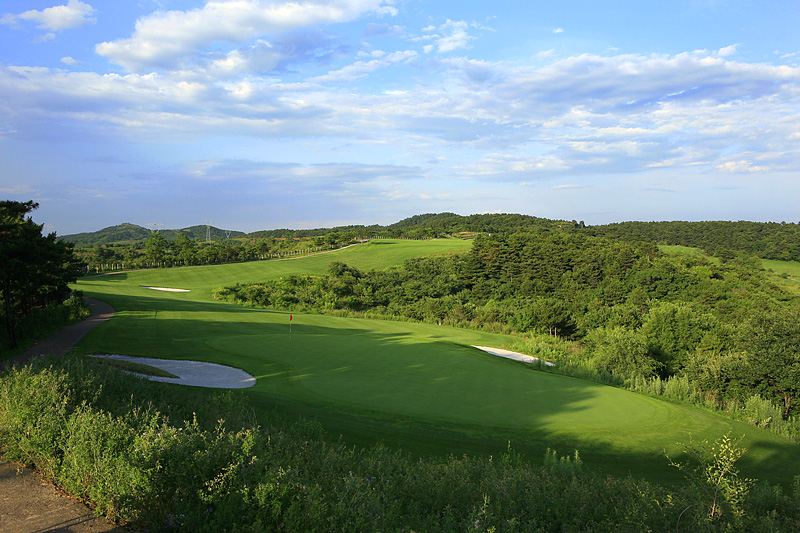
{"type": "Point", "coordinates": [416, 386]}
{"type": "Point", "coordinates": [437, 381]}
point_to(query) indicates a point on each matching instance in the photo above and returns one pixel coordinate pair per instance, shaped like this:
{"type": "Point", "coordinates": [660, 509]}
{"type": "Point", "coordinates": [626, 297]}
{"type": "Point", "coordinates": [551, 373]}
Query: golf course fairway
{"type": "Point", "coordinates": [418, 387]}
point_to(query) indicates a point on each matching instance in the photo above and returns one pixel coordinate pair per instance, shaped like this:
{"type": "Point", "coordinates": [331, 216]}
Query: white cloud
{"type": "Point", "coordinates": [558, 30]}
{"type": "Point", "coordinates": [359, 69]}
{"type": "Point", "coordinates": [452, 35]}
{"type": "Point", "coordinates": [166, 39]}
{"type": "Point", "coordinates": [727, 51]}
{"type": "Point", "coordinates": [740, 167]}
{"type": "Point", "coordinates": [587, 114]}
{"type": "Point", "coordinates": [67, 60]}
{"type": "Point", "coordinates": [387, 10]}
{"type": "Point", "coordinates": [72, 15]}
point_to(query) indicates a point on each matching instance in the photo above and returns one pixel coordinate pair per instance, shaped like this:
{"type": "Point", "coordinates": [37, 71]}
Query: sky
{"type": "Point", "coordinates": [263, 114]}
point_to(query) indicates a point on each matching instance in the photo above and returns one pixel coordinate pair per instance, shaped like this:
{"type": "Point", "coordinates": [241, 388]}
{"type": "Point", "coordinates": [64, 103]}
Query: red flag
{"type": "Point", "coordinates": [290, 317]}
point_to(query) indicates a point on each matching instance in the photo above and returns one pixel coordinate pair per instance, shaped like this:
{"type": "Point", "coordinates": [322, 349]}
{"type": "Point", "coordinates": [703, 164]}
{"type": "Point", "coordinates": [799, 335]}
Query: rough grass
{"type": "Point", "coordinates": [413, 386]}
{"type": "Point", "coordinates": [686, 250]}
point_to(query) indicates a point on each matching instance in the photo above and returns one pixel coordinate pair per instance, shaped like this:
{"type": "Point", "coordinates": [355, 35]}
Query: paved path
{"type": "Point", "coordinates": [27, 503]}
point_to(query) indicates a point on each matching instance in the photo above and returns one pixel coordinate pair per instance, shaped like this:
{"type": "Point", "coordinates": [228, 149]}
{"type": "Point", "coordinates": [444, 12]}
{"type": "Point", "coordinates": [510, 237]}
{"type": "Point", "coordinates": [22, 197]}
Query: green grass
{"type": "Point", "coordinates": [414, 386]}
{"type": "Point", "coordinates": [670, 249]}
{"type": "Point", "coordinates": [784, 273]}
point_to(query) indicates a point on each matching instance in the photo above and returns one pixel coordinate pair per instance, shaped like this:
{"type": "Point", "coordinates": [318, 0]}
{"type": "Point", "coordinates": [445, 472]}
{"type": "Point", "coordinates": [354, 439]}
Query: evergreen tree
{"type": "Point", "coordinates": [35, 269]}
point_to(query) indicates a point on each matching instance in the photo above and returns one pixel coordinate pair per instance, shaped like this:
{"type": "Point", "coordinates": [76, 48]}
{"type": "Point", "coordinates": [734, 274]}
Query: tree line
{"type": "Point", "coordinates": [158, 252]}
{"type": "Point", "coordinates": [767, 240]}
{"type": "Point", "coordinates": [35, 269]}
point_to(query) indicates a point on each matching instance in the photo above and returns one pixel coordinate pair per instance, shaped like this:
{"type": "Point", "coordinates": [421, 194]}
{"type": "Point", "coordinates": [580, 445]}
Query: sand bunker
{"type": "Point", "coordinates": [513, 355]}
{"type": "Point", "coordinates": [193, 373]}
{"type": "Point", "coordinates": [164, 289]}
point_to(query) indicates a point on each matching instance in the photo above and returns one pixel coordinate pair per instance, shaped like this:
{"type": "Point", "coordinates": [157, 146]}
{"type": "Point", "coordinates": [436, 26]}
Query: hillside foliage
{"type": "Point", "coordinates": [770, 240]}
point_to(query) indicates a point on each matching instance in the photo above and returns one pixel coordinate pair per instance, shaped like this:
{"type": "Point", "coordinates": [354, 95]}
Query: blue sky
{"type": "Point", "coordinates": [267, 114]}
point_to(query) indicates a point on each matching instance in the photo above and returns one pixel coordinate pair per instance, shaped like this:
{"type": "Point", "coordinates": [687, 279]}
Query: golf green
{"type": "Point", "coordinates": [419, 387]}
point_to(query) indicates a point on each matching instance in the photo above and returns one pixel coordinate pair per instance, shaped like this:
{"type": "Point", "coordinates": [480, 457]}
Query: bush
{"type": "Point", "coordinates": [621, 351]}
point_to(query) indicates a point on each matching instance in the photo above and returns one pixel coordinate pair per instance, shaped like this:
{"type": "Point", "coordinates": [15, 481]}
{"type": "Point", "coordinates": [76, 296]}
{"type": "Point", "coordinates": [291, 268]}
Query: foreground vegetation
{"type": "Point", "coordinates": [164, 457]}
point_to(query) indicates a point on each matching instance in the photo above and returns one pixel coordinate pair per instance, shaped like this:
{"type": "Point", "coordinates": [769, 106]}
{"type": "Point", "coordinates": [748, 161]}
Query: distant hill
{"type": "Point", "coordinates": [131, 233]}
{"type": "Point", "coordinates": [300, 233]}
{"type": "Point", "coordinates": [487, 223]}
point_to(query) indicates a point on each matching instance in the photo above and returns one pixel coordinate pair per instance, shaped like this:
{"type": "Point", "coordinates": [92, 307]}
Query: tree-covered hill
{"type": "Point", "coordinates": [482, 223]}
{"type": "Point", "coordinates": [357, 230]}
{"type": "Point", "coordinates": [132, 233]}
{"type": "Point", "coordinates": [767, 240]}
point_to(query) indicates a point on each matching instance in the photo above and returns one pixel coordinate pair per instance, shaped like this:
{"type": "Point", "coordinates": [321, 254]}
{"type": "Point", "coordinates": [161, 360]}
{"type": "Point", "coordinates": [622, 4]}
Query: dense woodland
{"type": "Point", "coordinates": [635, 312]}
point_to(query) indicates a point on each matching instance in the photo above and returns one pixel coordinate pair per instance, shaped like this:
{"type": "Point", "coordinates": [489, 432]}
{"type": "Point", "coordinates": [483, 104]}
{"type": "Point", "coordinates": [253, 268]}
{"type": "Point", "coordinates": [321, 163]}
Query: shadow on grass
{"type": "Point", "coordinates": [364, 420]}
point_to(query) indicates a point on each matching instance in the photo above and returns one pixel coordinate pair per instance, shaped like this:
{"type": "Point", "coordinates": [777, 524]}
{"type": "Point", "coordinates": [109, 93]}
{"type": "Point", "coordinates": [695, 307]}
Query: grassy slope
{"type": "Point", "coordinates": [417, 386]}
{"type": "Point", "coordinates": [791, 269]}
{"type": "Point", "coordinates": [775, 269]}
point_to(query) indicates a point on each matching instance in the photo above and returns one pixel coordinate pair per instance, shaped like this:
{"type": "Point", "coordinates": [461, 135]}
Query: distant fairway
{"type": "Point", "coordinates": [416, 386]}
{"type": "Point", "coordinates": [784, 273]}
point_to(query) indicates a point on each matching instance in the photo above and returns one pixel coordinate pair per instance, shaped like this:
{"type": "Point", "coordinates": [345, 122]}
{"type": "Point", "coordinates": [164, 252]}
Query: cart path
{"type": "Point", "coordinates": [61, 342]}
{"type": "Point", "coordinates": [29, 504]}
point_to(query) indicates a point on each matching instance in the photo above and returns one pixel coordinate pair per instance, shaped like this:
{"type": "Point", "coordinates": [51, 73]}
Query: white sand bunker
{"type": "Point", "coordinates": [194, 373]}
{"type": "Point", "coordinates": [164, 289]}
{"type": "Point", "coordinates": [513, 355]}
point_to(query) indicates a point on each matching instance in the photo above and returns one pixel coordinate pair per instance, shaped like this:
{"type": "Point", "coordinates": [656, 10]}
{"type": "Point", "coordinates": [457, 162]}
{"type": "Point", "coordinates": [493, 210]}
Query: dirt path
{"type": "Point", "coordinates": [62, 341]}
{"type": "Point", "coordinates": [29, 504]}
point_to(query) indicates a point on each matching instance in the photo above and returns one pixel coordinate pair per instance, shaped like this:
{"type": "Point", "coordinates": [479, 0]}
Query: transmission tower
{"type": "Point", "coordinates": [155, 227]}
{"type": "Point", "coordinates": [208, 230]}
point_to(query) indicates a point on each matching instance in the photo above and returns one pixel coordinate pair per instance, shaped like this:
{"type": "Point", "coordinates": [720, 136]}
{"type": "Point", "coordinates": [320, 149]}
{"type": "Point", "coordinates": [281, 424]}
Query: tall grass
{"type": "Point", "coordinates": [162, 457]}
{"type": "Point", "coordinates": [755, 410]}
